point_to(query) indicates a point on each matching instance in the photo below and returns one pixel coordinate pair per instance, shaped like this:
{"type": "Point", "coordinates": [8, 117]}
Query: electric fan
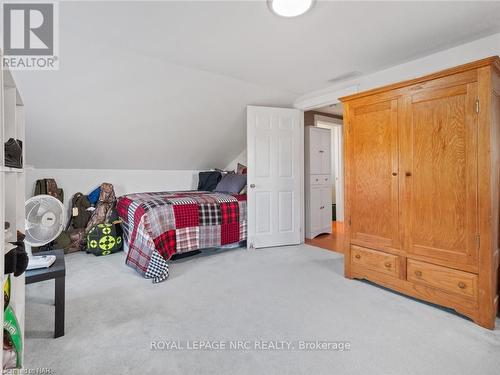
{"type": "Point", "coordinates": [45, 220]}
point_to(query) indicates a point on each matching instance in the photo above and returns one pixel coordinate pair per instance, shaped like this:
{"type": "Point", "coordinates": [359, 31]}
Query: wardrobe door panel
{"type": "Point", "coordinates": [440, 174]}
{"type": "Point", "coordinates": [372, 158]}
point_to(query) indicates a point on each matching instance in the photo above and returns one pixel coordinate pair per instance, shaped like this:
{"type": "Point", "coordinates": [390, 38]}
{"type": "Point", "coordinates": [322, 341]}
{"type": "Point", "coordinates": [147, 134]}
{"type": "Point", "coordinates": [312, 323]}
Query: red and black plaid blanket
{"type": "Point", "coordinates": [159, 225]}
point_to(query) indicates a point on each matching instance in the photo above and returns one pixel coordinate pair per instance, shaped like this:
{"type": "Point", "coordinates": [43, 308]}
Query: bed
{"type": "Point", "coordinates": [158, 225]}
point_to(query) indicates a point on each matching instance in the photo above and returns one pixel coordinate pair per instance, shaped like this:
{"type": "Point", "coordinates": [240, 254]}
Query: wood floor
{"type": "Point", "coordinates": [334, 241]}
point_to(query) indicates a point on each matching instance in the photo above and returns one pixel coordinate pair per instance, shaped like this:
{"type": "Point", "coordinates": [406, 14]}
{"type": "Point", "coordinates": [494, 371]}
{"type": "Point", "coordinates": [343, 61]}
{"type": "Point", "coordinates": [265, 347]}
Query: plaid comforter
{"type": "Point", "coordinates": [159, 225]}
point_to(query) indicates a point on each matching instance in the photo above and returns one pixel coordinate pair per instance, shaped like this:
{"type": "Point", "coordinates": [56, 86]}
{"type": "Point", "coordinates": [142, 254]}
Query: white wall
{"type": "Point", "coordinates": [124, 181]}
{"type": "Point", "coordinates": [476, 50]}
{"type": "Point", "coordinates": [114, 105]}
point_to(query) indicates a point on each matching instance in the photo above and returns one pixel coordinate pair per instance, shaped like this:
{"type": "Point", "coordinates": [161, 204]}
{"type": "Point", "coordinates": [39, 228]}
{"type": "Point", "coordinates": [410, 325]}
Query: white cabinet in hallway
{"type": "Point", "coordinates": [318, 218]}
{"type": "Point", "coordinates": [326, 208]}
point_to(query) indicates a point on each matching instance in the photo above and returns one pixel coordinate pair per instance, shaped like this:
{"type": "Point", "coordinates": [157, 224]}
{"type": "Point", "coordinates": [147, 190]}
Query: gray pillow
{"type": "Point", "coordinates": [232, 183]}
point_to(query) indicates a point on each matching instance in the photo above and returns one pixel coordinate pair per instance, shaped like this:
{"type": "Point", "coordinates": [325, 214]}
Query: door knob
{"type": "Point", "coordinates": [408, 174]}
{"type": "Point", "coordinates": [252, 186]}
{"type": "Point", "coordinates": [394, 173]}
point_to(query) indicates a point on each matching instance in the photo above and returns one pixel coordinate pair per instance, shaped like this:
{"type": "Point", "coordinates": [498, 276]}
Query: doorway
{"type": "Point", "coordinates": [331, 117]}
{"type": "Point", "coordinates": [336, 164]}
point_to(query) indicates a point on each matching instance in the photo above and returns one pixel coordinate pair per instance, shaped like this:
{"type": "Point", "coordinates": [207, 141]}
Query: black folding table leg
{"type": "Point", "coordinates": [59, 302]}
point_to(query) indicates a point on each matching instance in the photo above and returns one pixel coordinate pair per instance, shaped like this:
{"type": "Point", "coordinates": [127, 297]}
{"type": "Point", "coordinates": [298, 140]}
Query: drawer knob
{"type": "Point", "coordinates": [461, 285]}
{"type": "Point", "coordinates": [357, 256]}
{"type": "Point", "coordinates": [388, 265]}
{"type": "Point", "coordinates": [418, 273]}
{"type": "Point", "coordinates": [394, 174]}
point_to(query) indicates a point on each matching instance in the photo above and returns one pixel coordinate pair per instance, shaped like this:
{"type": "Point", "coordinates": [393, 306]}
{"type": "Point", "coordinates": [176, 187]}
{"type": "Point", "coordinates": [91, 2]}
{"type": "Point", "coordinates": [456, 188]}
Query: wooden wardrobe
{"type": "Point", "coordinates": [422, 172]}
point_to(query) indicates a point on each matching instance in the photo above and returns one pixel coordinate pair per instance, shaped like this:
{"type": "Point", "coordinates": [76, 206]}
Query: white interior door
{"type": "Point", "coordinates": [275, 152]}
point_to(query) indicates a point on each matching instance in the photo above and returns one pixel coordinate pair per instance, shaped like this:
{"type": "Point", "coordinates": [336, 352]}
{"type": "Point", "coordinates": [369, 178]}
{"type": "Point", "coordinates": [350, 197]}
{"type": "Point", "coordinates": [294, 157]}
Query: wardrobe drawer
{"type": "Point", "coordinates": [320, 179]}
{"type": "Point", "coordinates": [448, 279]}
{"type": "Point", "coordinates": [375, 260]}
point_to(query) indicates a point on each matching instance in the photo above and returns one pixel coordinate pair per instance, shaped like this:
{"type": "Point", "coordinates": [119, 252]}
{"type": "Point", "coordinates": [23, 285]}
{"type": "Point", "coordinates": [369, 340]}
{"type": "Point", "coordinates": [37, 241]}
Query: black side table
{"type": "Point", "coordinates": [57, 272]}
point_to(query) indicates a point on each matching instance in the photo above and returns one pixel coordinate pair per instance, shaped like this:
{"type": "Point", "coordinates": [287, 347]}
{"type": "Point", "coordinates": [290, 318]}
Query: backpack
{"type": "Point", "coordinates": [104, 207]}
{"type": "Point", "coordinates": [79, 214]}
{"type": "Point", "coordinates": [48, 186]}
{"type": "Point", "coordinates": [94, 195]}
{"type": "Point", "coordinates": [73, 238]}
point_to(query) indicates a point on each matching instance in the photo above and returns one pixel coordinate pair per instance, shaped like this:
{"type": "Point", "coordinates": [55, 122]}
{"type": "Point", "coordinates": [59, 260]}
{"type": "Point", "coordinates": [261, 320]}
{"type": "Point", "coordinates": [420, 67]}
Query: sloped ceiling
{"type": "Point", "coordinates": [164, 85]}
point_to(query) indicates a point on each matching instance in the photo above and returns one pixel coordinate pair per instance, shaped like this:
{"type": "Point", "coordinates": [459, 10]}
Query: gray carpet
{"type": "Point", "coordinates": [289, 293]}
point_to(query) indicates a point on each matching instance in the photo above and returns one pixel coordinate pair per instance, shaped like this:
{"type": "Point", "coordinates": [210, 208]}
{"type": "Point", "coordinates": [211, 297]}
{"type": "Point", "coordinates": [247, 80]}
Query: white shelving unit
{"type": "Point", "coordinates": [318, 181]}
{"type": "Point", "coordinates": [12, 187]}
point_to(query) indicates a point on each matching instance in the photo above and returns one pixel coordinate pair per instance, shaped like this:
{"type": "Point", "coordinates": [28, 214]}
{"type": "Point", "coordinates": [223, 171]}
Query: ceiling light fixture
{"type": "Point", "coordinates": [290, 8]}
